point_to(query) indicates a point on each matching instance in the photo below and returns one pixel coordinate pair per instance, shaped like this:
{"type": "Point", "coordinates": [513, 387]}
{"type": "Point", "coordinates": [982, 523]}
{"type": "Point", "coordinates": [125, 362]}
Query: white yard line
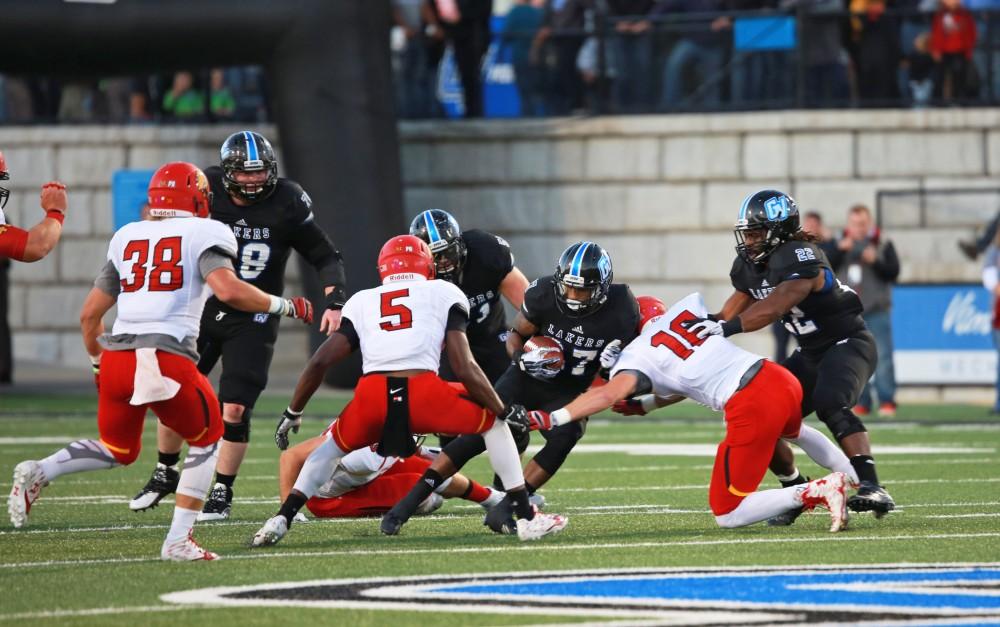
{"type": "Point", "coordinates": [533, 547]}
{"type": "Point", "coordinates": [99, 611]}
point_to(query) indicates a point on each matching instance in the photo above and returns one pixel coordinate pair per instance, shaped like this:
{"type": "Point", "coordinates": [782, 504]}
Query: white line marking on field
{"type": "Point", "coordinates": [708, 450]}
{"type": "Point", "coordinates": [97, 611]}
{"type": "Point", "coordinates": [42, 439]}
{"type": "Point", "coordinates": [974, 515]}
{"type": "Point", "coordinates": [507, 547]}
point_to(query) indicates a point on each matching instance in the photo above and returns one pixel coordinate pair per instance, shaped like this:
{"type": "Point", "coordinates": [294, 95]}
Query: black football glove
{"type": "Point", "coordinates": [516, 417]}
{"type": "Point", "coordinates": [290, 421]}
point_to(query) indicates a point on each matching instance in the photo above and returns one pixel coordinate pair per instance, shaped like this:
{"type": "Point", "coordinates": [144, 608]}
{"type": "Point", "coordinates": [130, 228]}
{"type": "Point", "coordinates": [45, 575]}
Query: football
{"type": "Point", "coordinates": [546, 348]}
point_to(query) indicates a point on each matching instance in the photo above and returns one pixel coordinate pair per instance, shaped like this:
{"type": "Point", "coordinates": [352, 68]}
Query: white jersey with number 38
{"type": "Point", "coordinates": [676, 361]}
{"type": "Point", "coordinates": [401, 324]}
{"type": "Point", "coordinates": [162, 290]}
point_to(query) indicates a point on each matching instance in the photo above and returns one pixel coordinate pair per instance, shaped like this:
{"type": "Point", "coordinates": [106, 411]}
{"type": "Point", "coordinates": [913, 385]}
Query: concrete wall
{"type": "Point", "coordinates": [659, 192]}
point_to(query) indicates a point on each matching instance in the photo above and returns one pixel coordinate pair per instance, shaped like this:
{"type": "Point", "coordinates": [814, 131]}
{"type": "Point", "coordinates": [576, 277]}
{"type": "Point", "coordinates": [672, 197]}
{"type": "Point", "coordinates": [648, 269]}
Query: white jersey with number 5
{"type": "Point", "coordinates": [401, 324]}
{"type": "Point", "coordinates": [162, 290]}
{"type": "Point", "coordinates": [676, 361]}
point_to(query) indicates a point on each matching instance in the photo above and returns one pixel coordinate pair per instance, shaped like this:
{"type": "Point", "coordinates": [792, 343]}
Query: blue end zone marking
{"type": "Point", "coordinates": [885, 589]}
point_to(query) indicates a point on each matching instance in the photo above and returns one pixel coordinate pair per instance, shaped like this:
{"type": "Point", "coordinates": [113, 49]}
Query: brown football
{"type": "Point", "coordinates": [549, 348]}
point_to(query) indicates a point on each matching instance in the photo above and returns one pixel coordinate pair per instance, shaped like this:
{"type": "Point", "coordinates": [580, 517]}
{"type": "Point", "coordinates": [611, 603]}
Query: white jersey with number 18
{"type": "Point", "coordinates": [676, 361]}
{"type": "Point", "coordinates": [401, 324]}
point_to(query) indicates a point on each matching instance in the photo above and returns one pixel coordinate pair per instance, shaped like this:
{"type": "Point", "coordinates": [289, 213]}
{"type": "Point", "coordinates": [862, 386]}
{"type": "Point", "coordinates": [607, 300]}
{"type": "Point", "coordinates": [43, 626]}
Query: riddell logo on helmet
{"type": "Point", "coordinates": [171, 183]}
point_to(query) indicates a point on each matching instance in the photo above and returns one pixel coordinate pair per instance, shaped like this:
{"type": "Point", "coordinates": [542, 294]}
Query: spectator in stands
{"type": "Point", "coordinates": [703, 48]}
{"type": "Point", "coordinates": [953, 40]}
{"type": "Point", "coordinates": [184, 101]}
{"type": "Point", "coordinates": [520, 27]}
{"type": "Point", "coordinates": [991, 281]}
{"type": "Point", "coordinates": [466, 25]}
{"type": "Point", "coordinates": [823, 54]}
{"type": "Point", "coordinates": [416, 58]}
{"type": "Point", "coordinates": [866, 262]}
{"type": "Point", "coordinates": [633, 49]}
{"type": "Point", "coordinates": [76, 102]}
{"type": "Point", "coordinates": [877, 54]}
{"type": "Point", "coordinates": [18, 106]}
{"type": "Point", "coordinates": [221, 101]}
{"type": "Point", "coordinates": [556, 46]}
{"type": "Point", "coordinates": [920, 71]}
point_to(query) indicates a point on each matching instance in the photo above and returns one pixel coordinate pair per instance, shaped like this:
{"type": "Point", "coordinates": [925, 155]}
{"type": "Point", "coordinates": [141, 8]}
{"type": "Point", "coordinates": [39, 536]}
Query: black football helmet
{"type": "Point", "coordinates": [247, 151]}
{"type": "Point", "coordinates": [584, 265]}
{"type": "Point", "coordinates": [444, 237]}
{"type": "Point", "coordinates": [773, 212]}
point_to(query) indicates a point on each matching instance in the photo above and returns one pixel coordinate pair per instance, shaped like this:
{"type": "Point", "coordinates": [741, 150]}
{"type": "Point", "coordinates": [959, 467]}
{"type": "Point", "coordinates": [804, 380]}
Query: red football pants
{"type": "Point", "coordinates": [374, 498]}
{"type": "Point", "coordinates": [768, 408]}
{"type": "Point", "coordinates": [435, 406]}
{"type": "Point", "coordinates": [193, 412]}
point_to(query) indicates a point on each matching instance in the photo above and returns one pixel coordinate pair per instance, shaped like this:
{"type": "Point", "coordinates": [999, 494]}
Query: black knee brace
{"type": "Point", "coordinates": [841, 421]}
{"type": "Point", "coordinates": [238, 431]}
{"type": "Point", "coordinates": [558, 443]}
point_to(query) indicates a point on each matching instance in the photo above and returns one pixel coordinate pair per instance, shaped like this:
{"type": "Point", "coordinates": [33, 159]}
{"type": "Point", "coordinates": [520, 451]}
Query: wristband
{"type": "Point", "coordinates": [95, 362]}
{"type": "Point", "coordinates": [277, 305]}
{"type": "Point", "coordinates": [648, 402]}
{"type": "Point", "coordinates": [55, 214]}
{"type": "Point", "coordinates": [560, 417]}
{"type": "Point", "coordinates": [732, 327]}
{"type": "Point", "coordinates": [335, 299]}
{"type": "Point", "coordinates": [292, 412]}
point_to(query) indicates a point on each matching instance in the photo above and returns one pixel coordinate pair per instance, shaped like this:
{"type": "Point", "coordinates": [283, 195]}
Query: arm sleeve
{"type": "Point", "coordinates": [108, 280]}
{"type": "Point", "coordinates": [886, 265]}
{"type": "Point", "coordinates": [458, 319]}
{"type": "Point", "coordinates": [13, 241]}
{"type": "Point", "coordinates": [347, 330]}
{"type": "Point", "coordinates": [533, 305]}
{"type": "Point", "coordinates": [211, 260]}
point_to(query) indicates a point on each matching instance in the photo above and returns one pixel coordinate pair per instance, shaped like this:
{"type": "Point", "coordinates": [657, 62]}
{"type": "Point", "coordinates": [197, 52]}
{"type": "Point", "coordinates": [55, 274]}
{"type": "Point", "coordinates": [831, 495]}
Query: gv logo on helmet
{"type": "Point", "coordinates": [776, 208]}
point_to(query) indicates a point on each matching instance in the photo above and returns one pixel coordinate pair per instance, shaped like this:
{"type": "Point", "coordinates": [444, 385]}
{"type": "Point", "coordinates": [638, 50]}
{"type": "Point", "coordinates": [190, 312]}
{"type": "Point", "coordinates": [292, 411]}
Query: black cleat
{"type": "Point", "coordinates": [500, 518]}
{"type": "Point", "coordinates": [391, 524]}
{"type": "Point", "coordinates": [218, 505]}
{"type": "Point", "coordinates": [785, 519]}
{"type": "Point", "coordinates": [161, 483]}
{"type": "Point", "coordinates": [871, 498]}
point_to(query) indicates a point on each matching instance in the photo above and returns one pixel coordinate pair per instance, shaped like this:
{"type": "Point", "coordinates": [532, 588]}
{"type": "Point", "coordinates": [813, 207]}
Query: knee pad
{"type": "Point", "coordinates": [238, 431]}
{"type": "Point", "coordinates": [841, 421]}
{"type": "Point", "coordinates": [560, 442]}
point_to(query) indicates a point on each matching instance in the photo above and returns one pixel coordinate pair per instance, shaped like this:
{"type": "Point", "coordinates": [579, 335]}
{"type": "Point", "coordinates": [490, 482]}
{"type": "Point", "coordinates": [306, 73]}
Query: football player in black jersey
{"type": "Point", "coordinates": [482, 265]}
{"type": "Point", "coordinates": [592, 318]}
{"type": "Point", "coordinates": [781, 272]}
{"type": "Point", "coordinates": [270, 216]}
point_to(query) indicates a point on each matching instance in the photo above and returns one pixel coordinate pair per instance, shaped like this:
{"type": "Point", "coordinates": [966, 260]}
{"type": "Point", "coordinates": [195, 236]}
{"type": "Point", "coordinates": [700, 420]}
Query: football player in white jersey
{"type": "Point", "coordinates": [159, 272]}
{"type": "Point", "coordinates": [365, 483]}
{"type": "Point", "coordinates": [399, 328]}
{"type": "Point", "coordinates": [36, 243]}
{"type": "Point", "coordinates": [761, 400]}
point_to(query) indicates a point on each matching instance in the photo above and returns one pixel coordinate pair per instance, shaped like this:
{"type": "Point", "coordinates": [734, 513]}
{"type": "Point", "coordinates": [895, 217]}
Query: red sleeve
{"type": "Point", "coordinates": [971, 33]}
{"type": "Point", "coordinates": [12, 242]}
{"type": "Point", "coordinates": [936, 35]}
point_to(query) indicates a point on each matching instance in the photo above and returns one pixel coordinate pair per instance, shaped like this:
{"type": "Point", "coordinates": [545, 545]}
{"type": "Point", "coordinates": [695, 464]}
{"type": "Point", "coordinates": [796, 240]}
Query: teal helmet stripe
{"type": "Point", "coordinates": [252, 154]}
{"type": "Point", "coordinates": [574, 266]}
{"type": "Point", "coordinates": [432, 231]}
{"type": "Point", "coordinates": [745, 206]}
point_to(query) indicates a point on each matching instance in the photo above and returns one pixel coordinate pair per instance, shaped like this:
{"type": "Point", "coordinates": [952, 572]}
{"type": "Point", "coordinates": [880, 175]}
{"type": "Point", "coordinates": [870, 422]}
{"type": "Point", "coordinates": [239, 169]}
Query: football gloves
{"type": "Point", "coordinates": [290, 421]}
{"type": "Point", "coordinates": [610, 354]}
{"type": "Point", "coordinates": [517, 419]}
{"type": "Point", "coordinates": [539, 420]}
{"type": "Point", "coordinates": [299, 307]}
{"type": "Point", "coordinates": [635, 406]}
{"type": "Point", "coordinates": [705, 327]}
{"type": "Point", "coordinates": [536, 365]}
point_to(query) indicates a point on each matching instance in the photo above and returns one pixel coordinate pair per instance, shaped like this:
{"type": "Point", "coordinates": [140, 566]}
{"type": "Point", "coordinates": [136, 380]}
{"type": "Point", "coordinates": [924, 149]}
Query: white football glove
{"type": "Point", "coordinates": [610, 354]}
{"type": "Point", "coordinates": [290, 421]}
{"type": "Point", "coordinates": [535, 364]}
{"type": "Point", "coordinates": [705, 327]}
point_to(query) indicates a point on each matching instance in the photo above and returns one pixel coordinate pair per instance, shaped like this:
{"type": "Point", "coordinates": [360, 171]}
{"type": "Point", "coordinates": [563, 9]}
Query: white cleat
{"type": "Point", "coordinates": [271, 533]}
{"type": "Point", "coordinates": [430, 505]}
{"type": "Point", "coordinates": [186, 550]}
{"type": "Point", "coordinates": [28, 483]}
{"type": "Point", "coordinates": [541, 525]}
{"type": "Point", "coordinates": [538, 500]}
{"type": "Point", "coordinates": [493, 499]}
{"type": "Point", "coordinates": [830, 492]}
{"type": "Point", "coordinates": [300, 518]}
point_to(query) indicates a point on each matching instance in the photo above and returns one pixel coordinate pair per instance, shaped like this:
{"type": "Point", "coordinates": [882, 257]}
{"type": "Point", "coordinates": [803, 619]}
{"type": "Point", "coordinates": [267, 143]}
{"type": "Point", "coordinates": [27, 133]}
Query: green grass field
{"type": "Point", "coordinates": [85, 559]}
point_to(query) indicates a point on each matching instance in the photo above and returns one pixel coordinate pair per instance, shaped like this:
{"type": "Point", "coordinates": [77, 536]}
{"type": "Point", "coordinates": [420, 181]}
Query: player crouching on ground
{"type": "Point", "coordinates": [399, 328]}
{"type": "Point", "coordinates": [365, 483]}
{"type": "Point", "coordinates": [762, 400]}
{"type": "Point", "coordinates": [157, 271]}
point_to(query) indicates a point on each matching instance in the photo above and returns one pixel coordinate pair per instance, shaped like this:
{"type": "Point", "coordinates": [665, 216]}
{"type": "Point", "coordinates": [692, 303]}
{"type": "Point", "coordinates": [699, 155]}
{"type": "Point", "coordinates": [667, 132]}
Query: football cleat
{"type": "Point", "coordinates": [431, 504]}
{"type": "Point", "coordinates": [300, 518]}
{"type": "Point", "coordinates": [500, 518]}
{"type": "Point", "coordinates": [271, 533]}
{"type": "Point", "coordinates": [785, 519]}
{"type": "Point", "coordinates": [218, 505]}
{"type": "Point", "coordinates": [541, 525]}
{"type": "Point", "coordinates": [27, 485]}
{"type": "Point", "coordinates": [538, 500]}
{"type": "Point", "coordinates": [161, 483]}
{"type": "Point", "coordinates": [391, 524]}
{"type": "Point", "coordinates": [495, 497]}
{"type": "Point", "coordinates": [871, 497]}
{"type": "Point", "coordinates": [186, 550]}
{"type": "Point", "coordinates": [830, 493]}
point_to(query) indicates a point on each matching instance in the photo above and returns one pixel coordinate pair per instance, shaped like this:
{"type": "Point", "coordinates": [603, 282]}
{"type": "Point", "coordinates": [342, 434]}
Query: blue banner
{"type": "Point", "coordinates": [942, 317]}
{"type": "Point", "coordinates": [128, 195]}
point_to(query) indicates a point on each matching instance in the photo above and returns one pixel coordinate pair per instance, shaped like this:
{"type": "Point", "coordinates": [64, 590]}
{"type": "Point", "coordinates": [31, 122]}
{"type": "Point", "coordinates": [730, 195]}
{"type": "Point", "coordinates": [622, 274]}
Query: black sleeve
{"type": "Point", "coordinates": [458, 319]}
{"type": "Point", "coordinates": [347, 330]}
{"type": "Point", "coordinates": [886, 265]}
{"type": "Point", "coordinates": [632, 317]}
{"type": "Point", "coordinates": [796, 260]}
{"type": "Point", "coordinates": [492, 252]}
{"type": "Point", "coordinates": [736, 274]}
{"type": "Point", "coordinates": [536, 302]}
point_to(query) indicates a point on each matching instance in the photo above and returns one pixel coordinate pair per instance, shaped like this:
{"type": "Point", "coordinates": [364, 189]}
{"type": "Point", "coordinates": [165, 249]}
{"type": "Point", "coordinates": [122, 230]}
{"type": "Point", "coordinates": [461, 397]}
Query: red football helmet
{"type": "Point", "coordinates": [4, 175]}
{"type": "Point", "coordinates": [178, 189]}
{"type": "Point", "coordinates": [405, 254]}
{"type": "Point", "coordinates": [649, 307]}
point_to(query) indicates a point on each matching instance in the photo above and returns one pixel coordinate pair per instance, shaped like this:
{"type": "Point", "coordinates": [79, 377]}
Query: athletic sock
{"type": "Point", "coordinates": [293, 503]}
{"type": "Point", "coordinates": [476, 492]}
{"type": "Point", "coordinates": [182, 524]}
{"type": "Point", "coordinates": [417, 494]}
{"type": "Point", "coordinates": [226, 480]}
{"type": "Point", "coordinates": [789, 481]}
{"type": "Point", "coordinates": [864, 465]}
{"type": "Point", "coordinates": [79, 456]}
{"type": "Point", "coordinates": [520, 504]}
{"type": "Point", "coordinates": [168, 459]}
